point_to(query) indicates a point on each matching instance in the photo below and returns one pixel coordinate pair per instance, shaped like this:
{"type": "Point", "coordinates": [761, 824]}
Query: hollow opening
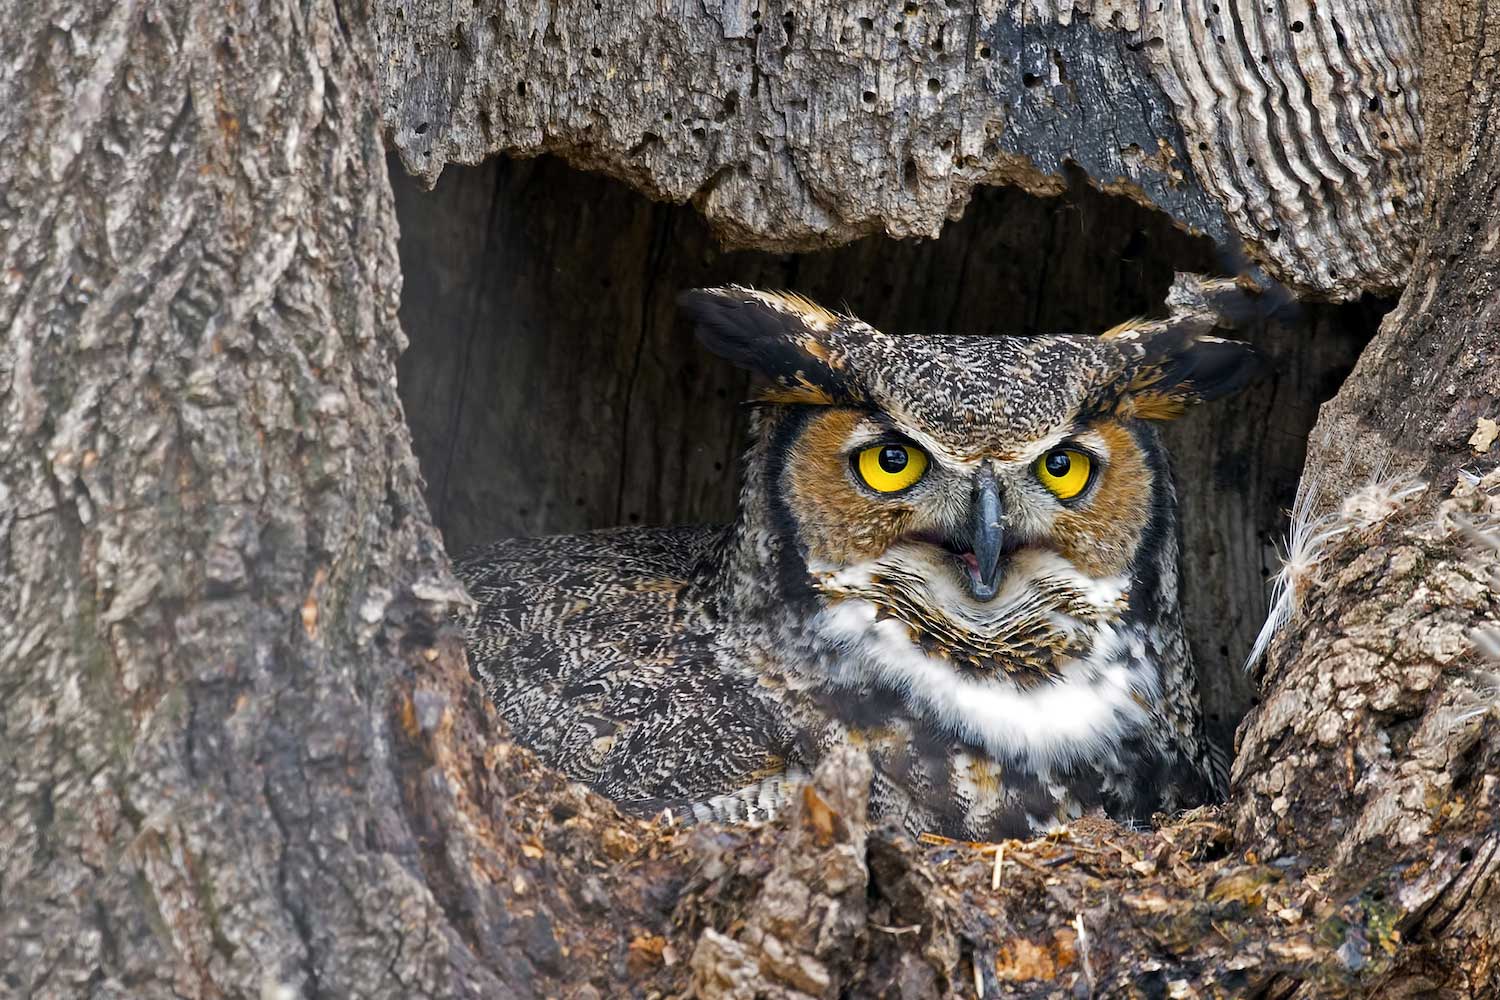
{"type": "Point", "coordinates": [551, 388]}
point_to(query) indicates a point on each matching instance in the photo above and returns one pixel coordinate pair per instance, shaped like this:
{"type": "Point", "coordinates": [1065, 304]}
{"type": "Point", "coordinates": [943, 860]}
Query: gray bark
{"type": "Point", "coordinates": [215, 557]}
{"type": "Point", "coordinates": [239, 748]}
{"type": "Point", "coordinates": [793, 126]}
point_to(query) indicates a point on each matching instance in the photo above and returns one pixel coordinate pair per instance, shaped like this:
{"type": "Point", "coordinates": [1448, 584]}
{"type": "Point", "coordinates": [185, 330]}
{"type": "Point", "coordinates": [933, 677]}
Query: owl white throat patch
{"type": "Point", "coordinates": [1048, 672]}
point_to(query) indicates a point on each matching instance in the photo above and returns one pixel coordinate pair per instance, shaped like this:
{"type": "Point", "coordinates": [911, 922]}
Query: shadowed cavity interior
{"type": "Point", "coordinates": [550, 387]}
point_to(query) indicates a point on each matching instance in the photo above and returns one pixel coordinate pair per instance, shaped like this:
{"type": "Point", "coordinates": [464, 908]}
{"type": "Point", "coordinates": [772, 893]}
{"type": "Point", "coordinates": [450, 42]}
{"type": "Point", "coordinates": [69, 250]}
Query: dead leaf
{"type": "Point", "coordinates": [645, 951]}
{"type": "Point", "coordinates": [618, 844]}
{"type": "Point", "coordinates": [820, 815]}
{"type": "Point", "coordinates": [1485, 432]}
{"type": "Point", "coordinates": [1020, 960]}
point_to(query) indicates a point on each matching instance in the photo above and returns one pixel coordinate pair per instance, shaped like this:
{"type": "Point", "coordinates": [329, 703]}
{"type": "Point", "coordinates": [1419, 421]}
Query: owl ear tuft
{"type": "Point", "coordinates": [1178, 366]}
{"type": "Point", "coordinates": [1174, 363]}
{"type": "Point", "coordinates": [781, 336]}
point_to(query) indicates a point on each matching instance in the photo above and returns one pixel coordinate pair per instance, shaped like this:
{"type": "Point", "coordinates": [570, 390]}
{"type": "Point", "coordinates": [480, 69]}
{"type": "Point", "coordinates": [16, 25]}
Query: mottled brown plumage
{"type": "Point", "coordinates": [959, 553]}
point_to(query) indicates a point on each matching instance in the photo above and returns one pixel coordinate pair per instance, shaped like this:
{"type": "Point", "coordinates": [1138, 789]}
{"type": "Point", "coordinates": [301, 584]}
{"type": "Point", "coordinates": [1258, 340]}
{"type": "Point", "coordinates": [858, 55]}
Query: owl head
{"type": "Point", "coordinates": [999, 497]}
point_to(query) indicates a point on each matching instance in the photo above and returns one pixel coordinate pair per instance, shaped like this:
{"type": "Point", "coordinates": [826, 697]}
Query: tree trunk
{"type": "Point", "coordinates": [241, 751]}
{"type": "Point", "coordinates": [217, 564]}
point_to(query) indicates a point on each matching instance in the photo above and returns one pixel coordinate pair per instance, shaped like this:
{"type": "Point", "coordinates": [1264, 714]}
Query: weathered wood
{"type": "Point", "coordinates": [796, 125]}
{"type": "Point", "coordinates": [1420, 390]}
{"type": "Point", "coordinates": [214, 554]}
{"type": "Point", "coordinates": [1370, 867]}
{"type": "Point", "coordinates": [1385, 681]}
{"type": "Point", "coordinates": [550, 388]}
{"type": "Point", "coordinates": [1303, 123]}
{"type": "Point", "coordinates": [240, 756]}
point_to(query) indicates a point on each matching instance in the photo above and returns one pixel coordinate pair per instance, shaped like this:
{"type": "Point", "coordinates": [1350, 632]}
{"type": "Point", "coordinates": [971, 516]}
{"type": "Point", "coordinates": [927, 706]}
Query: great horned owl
{"type": "Point", "coordinates": [957, 552]}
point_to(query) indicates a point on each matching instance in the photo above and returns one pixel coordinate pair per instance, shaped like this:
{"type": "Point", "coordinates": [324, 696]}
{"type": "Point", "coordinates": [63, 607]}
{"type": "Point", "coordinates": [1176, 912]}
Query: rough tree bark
{"type": "Point", "coordinates": [794, 125]}
{"type": "Point", "coordinates": [241, 755]}
{"type": "Point", "coordinates": [215, 557]}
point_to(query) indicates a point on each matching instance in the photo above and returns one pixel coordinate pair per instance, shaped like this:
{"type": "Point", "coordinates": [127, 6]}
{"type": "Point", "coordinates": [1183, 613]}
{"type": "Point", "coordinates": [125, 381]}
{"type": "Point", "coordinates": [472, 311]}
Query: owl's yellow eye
{"type": "Point", "coordinates": [890, 468]}
{"type": "Point", "coordinates": [1064, 471]}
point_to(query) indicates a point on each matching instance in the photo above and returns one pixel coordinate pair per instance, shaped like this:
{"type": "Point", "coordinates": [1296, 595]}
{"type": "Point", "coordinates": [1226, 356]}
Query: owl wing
{"type": "Point", "coordinates": [599, 658]}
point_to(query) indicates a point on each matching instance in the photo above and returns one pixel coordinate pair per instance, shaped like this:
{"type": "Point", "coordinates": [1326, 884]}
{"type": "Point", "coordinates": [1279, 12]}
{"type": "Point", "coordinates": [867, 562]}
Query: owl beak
{"type": "Point", "coordinates": [986, 521]}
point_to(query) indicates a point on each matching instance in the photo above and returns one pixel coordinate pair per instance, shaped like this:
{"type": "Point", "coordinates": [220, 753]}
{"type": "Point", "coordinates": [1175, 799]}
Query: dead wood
{"type": "Point", "coordinates": [242, 755]}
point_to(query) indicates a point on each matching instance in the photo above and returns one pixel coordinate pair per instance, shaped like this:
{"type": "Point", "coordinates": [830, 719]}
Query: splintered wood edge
{"type": "Point", "coordinates": [1292, 128]}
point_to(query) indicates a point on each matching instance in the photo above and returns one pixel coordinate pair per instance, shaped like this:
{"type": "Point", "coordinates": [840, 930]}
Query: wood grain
{"type": "Point", "coordinates": [798, 125]}
{"type": "Point", "coordinates": [241, 757]}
